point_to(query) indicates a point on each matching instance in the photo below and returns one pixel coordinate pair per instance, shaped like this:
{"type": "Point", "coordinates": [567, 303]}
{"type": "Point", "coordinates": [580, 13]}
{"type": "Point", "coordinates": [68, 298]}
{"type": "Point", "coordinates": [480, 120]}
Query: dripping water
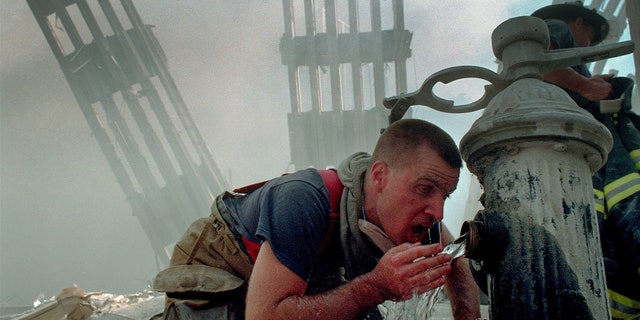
{"type": "Point", "coordinates": [419, 306]}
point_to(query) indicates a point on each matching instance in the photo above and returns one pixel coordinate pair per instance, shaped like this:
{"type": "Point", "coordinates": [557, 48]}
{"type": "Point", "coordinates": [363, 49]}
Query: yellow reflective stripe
{"type": "Point", "coordinates": [599, 202]}
{"type": "Point", "coordinates": [617, 315]}
{"type": "Point", "coordinates": [623, 307]}
{"type": "Point", "coordinates": [635, 156]}
{"type": "Point", "coordinates": [622, 188]}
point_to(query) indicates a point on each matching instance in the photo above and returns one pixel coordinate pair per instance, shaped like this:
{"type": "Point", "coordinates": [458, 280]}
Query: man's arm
{"type": "Point", "coordinates": [594, 88]}
{"type": "Point", "coordinates": [461, 288]}
{"type": "Point", "coordinates": [275, 292]}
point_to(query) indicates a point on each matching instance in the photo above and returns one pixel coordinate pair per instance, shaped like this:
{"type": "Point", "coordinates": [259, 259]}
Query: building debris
{"type": "Point", "coordinates": [76, 304]}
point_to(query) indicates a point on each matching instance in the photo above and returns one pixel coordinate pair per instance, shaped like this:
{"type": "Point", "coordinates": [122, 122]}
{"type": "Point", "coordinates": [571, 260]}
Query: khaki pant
{"type": "Point", "coordinates": [208, 268]}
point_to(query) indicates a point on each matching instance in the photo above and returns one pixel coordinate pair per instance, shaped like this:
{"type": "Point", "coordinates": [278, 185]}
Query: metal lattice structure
{"type": "Point", "coordinates": [354, 65]}
{"type": "Point", "coordinates": [119, 77]}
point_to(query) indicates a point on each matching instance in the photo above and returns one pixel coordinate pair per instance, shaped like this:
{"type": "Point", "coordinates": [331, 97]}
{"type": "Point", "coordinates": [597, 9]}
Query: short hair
{"type": "Point", "coordinates": [402, 138]}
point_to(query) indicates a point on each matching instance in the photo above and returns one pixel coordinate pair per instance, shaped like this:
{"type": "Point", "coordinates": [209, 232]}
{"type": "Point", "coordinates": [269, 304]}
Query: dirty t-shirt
{"type": "Point", "coordinates": [291, 212]}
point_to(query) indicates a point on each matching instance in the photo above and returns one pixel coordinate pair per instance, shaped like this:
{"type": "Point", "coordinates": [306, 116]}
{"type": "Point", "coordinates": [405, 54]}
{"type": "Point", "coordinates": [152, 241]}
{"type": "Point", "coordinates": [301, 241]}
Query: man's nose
{"type": "Point", "coordinates": [435, 208]}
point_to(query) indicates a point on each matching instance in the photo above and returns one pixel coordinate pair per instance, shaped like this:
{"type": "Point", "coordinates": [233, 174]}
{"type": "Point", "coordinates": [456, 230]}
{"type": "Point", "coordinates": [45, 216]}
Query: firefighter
{"type": "Point", "coordinates": [617, 183]}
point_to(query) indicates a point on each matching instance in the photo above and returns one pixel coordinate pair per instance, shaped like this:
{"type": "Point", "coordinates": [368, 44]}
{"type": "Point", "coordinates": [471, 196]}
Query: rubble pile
{"type": "Point", "coordinates": [76, 304]}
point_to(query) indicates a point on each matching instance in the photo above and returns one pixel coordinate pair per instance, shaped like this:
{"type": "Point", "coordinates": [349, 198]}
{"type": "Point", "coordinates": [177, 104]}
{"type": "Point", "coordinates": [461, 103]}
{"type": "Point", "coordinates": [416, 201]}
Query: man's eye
{"type": "Point", "coordinates": [427, 190]}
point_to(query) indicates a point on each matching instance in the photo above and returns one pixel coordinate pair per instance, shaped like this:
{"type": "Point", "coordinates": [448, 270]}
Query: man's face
{"type": "Point", "coordinates": [583, 33]}
{"type": "Point", "coordinates": [411, 196]}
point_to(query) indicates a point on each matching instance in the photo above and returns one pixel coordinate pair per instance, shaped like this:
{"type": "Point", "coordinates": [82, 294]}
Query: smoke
{"type": "Point", "coordinates": [64, 219]}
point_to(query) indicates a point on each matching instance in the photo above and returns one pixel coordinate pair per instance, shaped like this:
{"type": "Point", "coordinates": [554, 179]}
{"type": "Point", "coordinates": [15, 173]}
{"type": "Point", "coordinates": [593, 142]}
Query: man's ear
{"type": "Point", "coordinates": [378, 174]}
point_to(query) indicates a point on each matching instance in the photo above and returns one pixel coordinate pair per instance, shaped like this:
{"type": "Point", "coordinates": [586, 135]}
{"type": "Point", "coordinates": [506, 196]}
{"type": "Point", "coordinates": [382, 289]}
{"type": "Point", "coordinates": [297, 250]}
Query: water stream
{"type": "Point", "coordinates": [419, 307]}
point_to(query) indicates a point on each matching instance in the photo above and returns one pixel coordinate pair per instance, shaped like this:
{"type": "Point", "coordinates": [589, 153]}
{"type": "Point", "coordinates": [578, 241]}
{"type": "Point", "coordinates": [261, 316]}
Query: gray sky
{"type": "Point", "coordinates": [63, 217]}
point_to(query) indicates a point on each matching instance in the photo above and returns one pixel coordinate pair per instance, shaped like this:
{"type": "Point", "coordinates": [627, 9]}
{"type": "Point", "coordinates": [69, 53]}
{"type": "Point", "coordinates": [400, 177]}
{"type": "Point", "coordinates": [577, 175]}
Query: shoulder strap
{"type": "Point", "coordinates": [333, 185]}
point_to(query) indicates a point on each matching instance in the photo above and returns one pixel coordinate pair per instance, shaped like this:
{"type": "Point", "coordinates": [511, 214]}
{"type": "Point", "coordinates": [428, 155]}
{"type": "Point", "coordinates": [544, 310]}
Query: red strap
{"type": "Point", "coordinates": [333, 185]}
{"type": "Point", "coordinates": [253, 248]}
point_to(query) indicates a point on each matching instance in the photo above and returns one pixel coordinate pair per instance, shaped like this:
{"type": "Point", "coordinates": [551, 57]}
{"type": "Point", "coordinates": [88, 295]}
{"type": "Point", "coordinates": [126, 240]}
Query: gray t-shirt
{"type": "Point", "coordinates": [291, 212]}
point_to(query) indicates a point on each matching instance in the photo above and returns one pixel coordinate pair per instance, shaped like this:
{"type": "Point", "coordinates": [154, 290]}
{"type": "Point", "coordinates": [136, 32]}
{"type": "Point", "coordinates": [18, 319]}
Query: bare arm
{"type": "Point", "coordinates": [275, 292]}
{"type": "Point", "coordinates": [593, 88]}
{"type": "Point", "coordinates": [461, 288]}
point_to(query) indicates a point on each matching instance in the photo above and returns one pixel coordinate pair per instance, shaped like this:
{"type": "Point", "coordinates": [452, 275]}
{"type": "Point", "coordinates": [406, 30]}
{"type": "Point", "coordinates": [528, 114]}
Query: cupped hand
{"type": "Point", "coordinates": [410, 269]}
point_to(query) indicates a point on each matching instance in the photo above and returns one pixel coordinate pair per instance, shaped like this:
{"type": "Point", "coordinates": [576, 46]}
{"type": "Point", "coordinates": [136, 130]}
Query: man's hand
{"type": "Point", "coordinates": [597, 88]}
{"type": "Point", "coordinates": [409, 269]}
{"type": "Point", "coordinates": [275, 292]}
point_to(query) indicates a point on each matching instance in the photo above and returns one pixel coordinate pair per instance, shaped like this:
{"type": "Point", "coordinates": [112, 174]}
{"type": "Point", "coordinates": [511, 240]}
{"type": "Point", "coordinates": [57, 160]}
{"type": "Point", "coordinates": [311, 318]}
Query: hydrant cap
{"type": "Point", "coordinates": [518, 29]}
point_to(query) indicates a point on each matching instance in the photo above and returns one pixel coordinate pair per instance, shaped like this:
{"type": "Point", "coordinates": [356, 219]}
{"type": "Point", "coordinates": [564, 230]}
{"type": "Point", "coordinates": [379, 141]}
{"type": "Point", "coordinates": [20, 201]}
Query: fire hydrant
{"type": "Point", "coordinates": [534, 152]}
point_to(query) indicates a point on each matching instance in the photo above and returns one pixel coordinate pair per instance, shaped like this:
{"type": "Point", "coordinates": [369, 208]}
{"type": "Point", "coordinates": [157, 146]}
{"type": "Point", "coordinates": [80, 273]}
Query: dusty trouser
{"type": "Point", "coordinates": [208, 271]}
